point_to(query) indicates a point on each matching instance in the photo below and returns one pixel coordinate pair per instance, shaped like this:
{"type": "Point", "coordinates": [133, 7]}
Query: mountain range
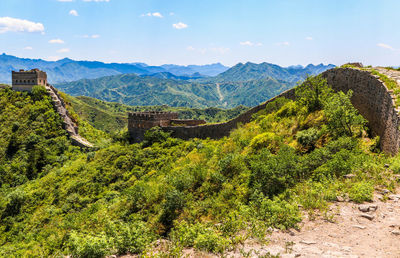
{"type": "Point", "coordinates": [67, 70]}
{"type": "Point", "coordinates": [244, 84]}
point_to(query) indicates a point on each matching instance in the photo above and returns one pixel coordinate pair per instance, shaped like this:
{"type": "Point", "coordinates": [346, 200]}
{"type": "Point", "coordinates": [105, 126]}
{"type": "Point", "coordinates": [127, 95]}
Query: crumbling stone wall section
{"type": "Point", "coordinates": [373, 100]}
{"type": "Point", "coordinates": [68, 124]}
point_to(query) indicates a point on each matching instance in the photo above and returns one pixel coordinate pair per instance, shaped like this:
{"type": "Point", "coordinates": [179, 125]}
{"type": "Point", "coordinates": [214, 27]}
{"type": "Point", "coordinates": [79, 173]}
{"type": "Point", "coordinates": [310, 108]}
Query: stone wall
{"type": "Point", "coordinates": [373, 100]}
{"type": "Point", "coordinates": [219, 130]}
{"type": "Point", "coordinates": [370, 97]}
{"type": "Point", "coordinates": [68, 124]}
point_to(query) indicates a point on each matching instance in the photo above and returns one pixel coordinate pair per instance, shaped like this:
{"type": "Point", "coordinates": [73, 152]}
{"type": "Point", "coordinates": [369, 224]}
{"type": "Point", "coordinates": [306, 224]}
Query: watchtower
{"type": "Point", "coordinates": [25, 80]}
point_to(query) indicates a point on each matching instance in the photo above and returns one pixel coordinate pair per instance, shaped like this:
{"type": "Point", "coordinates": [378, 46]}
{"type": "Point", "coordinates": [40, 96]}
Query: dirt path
{"type": "Point", "coordinates": [348, 235]}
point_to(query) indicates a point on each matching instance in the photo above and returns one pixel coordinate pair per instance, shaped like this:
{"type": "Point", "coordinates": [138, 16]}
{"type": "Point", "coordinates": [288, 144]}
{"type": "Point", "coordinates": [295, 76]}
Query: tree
{"type": "Point", "coordinates": [343, 118]}
{"type": "Point", "coordinates": [312, 92]}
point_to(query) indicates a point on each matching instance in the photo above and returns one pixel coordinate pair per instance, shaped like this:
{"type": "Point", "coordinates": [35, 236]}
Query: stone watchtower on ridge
{"type": "Point", "coordinates": [25, 80]}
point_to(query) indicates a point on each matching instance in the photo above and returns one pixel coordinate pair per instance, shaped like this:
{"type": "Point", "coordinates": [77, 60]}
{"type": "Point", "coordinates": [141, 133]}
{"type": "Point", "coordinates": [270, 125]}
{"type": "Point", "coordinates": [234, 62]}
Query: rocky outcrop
{"type": "Point", "coordinates": [68, 124]}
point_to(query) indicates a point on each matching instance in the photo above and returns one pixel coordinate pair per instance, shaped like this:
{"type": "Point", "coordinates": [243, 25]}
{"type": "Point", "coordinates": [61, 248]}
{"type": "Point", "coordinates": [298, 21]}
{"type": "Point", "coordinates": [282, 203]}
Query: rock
{"type": "Point", "coordinates": [387, 165]}
{"type": "Point", "coordinates": [363, 208]}
{"type": "Point", "coordinates": [373, 207]}
{"type": "Point", "coordinates": [395, 226]}
{"type": "Point", "coordinates": [306, 242]}
{"type": "Point", "coordinates": [349, 176]}
{"type": "Point", "coordinates": [297, 255]}
{"type": "Point", "coordinates": [346, 249]}
{"type": "Point", "coordinates": [359, 226]}
{"type": "Point", "coordinates": [396, 232]}
{"type": "Point", "coordinates": [394, 197]}
{"type": "Point", "coordinates": [339, 198]}
{"type": "Point", "coordinates": [385, 191]}
{"type": "Point", "coordinates": [367, 216]}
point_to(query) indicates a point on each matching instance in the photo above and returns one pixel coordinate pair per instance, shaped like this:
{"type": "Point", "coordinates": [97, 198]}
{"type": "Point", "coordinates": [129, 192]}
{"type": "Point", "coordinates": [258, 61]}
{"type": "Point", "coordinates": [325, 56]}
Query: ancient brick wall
{"type": "Point", "coordinates": [370, 97]}
{"type": "Point", "coordinates": [219, 130]}
{"type": "Point", "coordinates": [373, 100]}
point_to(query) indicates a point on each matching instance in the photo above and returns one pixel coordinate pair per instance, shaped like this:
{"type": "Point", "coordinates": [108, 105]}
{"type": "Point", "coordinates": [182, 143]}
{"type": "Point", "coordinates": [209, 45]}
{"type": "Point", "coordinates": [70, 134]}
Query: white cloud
{"type": "Point", "coordinates": [56, 41]}
{"type": "Point", "coordinates": [53, 58]}
{"type": "Point", "coordinates": [28, 48]}
{"type": "Point", "coordinates": [386, 46]}
{"type": "Point", "coordinates": [73, 13]}
{"type": "Point", "coordinates": [285, 43]}
{"type": "Point", "coordinates": [190, 48]}
{"type": "Point", "coordinates": [246, 43]}
{"type": "Point", "coordinates": [63, 50]}
{"type": "Point", "coordinates": [8, 24]}
{"type": "Point", "coordinates": [309, 38]}
{"type": "Point", "coordinates": [94, 36]}
{"type": "Point", "coordinates": [155, 14]}
{"type": "Point", "coordinates": [250, 44]}
{"type": "Point", "coordinates": [179, 25]}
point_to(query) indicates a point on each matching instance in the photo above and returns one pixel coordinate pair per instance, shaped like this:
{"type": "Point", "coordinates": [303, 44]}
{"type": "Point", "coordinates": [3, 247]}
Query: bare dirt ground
{"type": "Point", "coordinates": [351, 230]}
{"type": "Point", "coordinates": [355, 230]}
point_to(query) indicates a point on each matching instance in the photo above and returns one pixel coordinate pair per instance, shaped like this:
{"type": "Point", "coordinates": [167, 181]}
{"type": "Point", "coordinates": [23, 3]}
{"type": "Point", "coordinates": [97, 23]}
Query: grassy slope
{"type": "Point", "coordinates": [209, 194]}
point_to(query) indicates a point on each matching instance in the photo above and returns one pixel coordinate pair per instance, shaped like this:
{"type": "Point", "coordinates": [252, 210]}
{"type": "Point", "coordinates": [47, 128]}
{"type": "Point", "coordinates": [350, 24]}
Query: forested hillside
{"type": "Point", "coordinates": [134, 90]}
{"type": "Point", "coordinates": [112, 117]}
{"type": "Point", "coordinates": [244, 84]}
{"type": "Point", "coordinates": [211, 195]}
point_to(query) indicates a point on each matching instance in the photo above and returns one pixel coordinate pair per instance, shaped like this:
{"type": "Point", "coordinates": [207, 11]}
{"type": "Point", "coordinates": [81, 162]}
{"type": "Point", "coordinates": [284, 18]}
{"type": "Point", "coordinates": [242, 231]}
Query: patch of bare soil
{"type": "Point", "coordinates": [354, 230]}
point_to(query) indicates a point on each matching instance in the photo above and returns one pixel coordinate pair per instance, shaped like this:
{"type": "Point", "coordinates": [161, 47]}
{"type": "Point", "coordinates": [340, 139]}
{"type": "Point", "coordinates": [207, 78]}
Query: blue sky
{"type": "Point", "coordinates": [285, 32]}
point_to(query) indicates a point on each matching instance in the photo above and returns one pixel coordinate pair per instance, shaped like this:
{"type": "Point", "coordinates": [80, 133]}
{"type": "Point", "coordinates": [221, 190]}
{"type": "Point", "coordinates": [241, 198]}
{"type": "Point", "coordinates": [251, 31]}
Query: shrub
{"type": "Point", "coordinates": [38, 92]}
{"type": "Point", "coordinates": [15, 201]}
{"type": "Point", "coordinates": [361, 191]}
{"type": "Point", "coordinates": [81, 245]}
{"type": "Point", "coordinates": [307, 138]}
{"type": "Point", "coordinates": [130, 237]}
{"type": "Point", "coordinates": [199, 236]}
{"type": "Point", "coordinates": [272, 174]}
{"type": "Point", "coordinates": [174, 202]}
{"type": "Point", "coordinates": [276, 213]}
{"type": "Point", "coordinates": [343, 118]}
{"type": "Point", "coordinates": [155, 134]}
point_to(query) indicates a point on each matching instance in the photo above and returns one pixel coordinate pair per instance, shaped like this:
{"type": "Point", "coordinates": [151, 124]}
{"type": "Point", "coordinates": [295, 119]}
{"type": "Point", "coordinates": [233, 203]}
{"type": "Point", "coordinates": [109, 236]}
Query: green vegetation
{"type": "Point", "coordinates": [111, 116]}
{"type": "Point", "coordinates": [208, 194]}
{"type": "Point", "coordinates": [135, 90]}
